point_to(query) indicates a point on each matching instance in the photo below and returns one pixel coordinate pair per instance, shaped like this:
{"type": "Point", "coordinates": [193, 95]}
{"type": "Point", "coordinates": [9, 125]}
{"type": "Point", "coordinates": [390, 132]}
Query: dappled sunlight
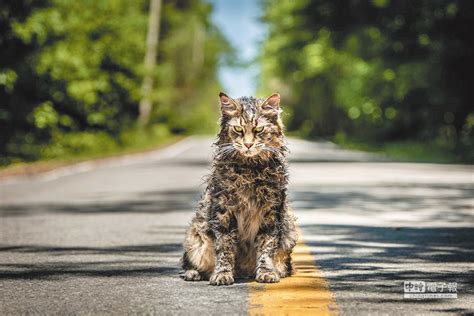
{"type": "Point", "coordinates": [366, 261]}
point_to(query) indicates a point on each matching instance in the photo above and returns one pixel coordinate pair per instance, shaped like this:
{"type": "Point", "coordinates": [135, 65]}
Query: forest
{"type": "Point", "coordinates": [71, 74]}
{"type": "Point", "coordinates": [373, 75]}
{"type": "Point", "coordinates": [395, 74]}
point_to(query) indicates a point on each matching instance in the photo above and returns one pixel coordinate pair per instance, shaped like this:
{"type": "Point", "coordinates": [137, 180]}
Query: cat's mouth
{"type": "Point", "coordinates": [250, 152]}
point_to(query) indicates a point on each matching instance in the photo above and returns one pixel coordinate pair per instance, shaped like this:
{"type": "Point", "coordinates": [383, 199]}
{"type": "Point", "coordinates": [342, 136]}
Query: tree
{"type": "Point", "coordinates": [71, 73]}
{"type": "Point", "coordinates": [376, 70]}
{"type": "Point", "coordinates": [150, 60]}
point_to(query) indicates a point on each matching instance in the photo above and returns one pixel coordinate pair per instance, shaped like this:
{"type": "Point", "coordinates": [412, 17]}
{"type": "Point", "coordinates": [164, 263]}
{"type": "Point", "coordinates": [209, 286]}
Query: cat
{"type": "Point", "coordinates": [243, 226]}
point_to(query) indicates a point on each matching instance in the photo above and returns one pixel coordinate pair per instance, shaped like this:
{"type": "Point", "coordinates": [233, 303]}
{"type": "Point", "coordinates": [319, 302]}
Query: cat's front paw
{"type": "Point", "coordinates": [267, 277]}
{"type": "Point", "coordinates": [192, 275]}
{"type": "Point", "coordinates": [221, 278]}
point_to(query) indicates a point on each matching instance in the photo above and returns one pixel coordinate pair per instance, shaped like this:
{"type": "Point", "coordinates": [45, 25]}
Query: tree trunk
{"type": "Point", "coordinates": [150, 61]}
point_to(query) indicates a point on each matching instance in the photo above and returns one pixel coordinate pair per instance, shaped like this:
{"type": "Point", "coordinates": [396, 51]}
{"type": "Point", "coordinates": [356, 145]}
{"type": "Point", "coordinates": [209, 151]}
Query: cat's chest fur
{"type": "Point", "coordinates": [253, 192]}
{"type": "Point", "coordinates": [248, 213]}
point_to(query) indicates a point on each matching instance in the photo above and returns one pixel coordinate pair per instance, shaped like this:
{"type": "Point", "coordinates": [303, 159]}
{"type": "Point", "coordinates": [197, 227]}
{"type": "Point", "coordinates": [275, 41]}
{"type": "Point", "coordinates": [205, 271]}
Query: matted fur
{"type": "Point", "coordinates": [243, 225]}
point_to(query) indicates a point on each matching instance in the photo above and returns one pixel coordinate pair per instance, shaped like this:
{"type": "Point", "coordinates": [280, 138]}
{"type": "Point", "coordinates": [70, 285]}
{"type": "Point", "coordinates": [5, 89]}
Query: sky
{"type": "Point", "coordinates": [238, 21]}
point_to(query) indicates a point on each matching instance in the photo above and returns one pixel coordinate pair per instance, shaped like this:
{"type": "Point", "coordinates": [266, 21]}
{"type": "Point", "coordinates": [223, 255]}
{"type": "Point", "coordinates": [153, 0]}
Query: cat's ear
{"type": "Point", "coordinates": [228, 105]}
{"type": "Point", "coordinates": [272, 104]}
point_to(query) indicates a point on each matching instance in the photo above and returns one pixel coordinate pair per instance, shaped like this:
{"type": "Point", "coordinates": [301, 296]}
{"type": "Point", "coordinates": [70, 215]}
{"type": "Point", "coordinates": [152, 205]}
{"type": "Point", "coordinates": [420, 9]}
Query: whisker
{"type": "Point", "coordinates": [226, 150]}
{"type": "Point", "coordinates": [224, 144]}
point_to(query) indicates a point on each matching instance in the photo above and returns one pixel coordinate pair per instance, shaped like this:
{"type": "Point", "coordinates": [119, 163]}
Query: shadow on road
{"type": "Point", "coordinates": [456, 200]}
{"type": "Point", "coordinates": [428, 202]}
{"type": "Point", "coordinates": [145, 202]}
{"type": "Point", "coordinates": [61, 269]}
{"type": "Point", "coordinates": [360, 261]}
{"type": "Point", "coordinates": [367, 263]}
{"type": "Point", "coordinates": [136, 267]}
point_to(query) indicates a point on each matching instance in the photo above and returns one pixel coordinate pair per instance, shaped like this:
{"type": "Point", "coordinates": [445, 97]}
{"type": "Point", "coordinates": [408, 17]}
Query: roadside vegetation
{"type": "Point", "coordinates": [71, 75]}
{"type": "Point", "coordinates": [133, 141]}
{"type": "Point", "coordinates": [381, 75]}
{"type": "Point", "coordinates": [393, 77]}
{"type": "Point", "coordinates": [406, 151]}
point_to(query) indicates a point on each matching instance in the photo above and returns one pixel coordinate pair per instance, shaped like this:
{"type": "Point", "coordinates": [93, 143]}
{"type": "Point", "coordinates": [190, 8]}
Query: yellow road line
{"type": "Point", "coordinates": [304, 293]}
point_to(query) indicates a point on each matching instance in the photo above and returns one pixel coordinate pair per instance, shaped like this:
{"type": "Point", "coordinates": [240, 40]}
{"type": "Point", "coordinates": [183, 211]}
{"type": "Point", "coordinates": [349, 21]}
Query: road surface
{"type": "Point", "coordinates": [106, 238]}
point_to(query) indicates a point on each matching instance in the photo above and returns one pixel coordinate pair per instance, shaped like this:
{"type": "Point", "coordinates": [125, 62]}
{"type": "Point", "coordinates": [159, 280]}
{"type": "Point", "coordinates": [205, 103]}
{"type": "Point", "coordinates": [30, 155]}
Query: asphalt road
{"type": "Point", "coordinates": [105, 238]}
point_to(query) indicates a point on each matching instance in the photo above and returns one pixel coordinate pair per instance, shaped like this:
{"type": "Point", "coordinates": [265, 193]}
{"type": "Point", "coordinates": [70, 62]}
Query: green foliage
{"type": "Point", "coordinates": [407, 151]}
{"type": "Point", "coordinates": [375, 70]}
{"type": "Point", "coordinates": [79, 146]}
{"type": "Point", "coordinates": [71, 73]}
{"type": "Point", "coordinates": [99, 143]}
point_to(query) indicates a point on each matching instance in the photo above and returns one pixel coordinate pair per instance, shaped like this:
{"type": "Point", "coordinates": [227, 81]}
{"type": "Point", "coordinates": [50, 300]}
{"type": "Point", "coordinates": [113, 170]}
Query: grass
{"type": "Point", "coordinates": [407, 151]}
{"type": "Point", "coordinates": [133, 141]}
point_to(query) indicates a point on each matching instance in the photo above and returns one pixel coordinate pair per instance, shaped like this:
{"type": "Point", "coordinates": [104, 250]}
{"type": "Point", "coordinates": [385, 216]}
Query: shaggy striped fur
{"type": "Point", "coordinates": [243, 225]}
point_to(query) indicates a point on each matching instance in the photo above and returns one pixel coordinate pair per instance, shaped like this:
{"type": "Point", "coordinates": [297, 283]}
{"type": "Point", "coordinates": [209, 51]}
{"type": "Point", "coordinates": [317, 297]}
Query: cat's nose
{"type": "Point", "coordinates": [248, 145]}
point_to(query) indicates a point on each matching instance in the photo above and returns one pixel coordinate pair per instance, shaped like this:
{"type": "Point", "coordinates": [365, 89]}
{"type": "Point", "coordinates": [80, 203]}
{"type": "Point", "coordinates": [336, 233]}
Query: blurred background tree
{"type": "Point", "coordinates": [374, 71]}
{"type": "Point", "coordinates": [363, 73]}
{"type": "Point", "coordinates": [71, 70]}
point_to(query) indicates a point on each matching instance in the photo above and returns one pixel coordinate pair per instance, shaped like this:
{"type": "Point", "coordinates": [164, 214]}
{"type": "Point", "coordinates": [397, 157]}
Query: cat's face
{"type": "Point", "coordinates": [251, 127]}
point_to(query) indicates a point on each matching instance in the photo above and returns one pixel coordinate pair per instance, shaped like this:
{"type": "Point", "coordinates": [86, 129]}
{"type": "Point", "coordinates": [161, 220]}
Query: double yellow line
{"type": "Point", "coordinates": [304, 293]}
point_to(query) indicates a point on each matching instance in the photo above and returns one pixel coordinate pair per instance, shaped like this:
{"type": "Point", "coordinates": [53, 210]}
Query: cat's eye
{"type": "Point", "coordinates": [238, 129]}
{"type": "Point", "coordinates": [258, 129]}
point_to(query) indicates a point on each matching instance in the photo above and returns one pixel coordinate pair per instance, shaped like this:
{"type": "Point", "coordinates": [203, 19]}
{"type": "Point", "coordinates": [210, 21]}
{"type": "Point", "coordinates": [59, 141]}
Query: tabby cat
{"type": "Point", "coordinates": [243, 226]}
